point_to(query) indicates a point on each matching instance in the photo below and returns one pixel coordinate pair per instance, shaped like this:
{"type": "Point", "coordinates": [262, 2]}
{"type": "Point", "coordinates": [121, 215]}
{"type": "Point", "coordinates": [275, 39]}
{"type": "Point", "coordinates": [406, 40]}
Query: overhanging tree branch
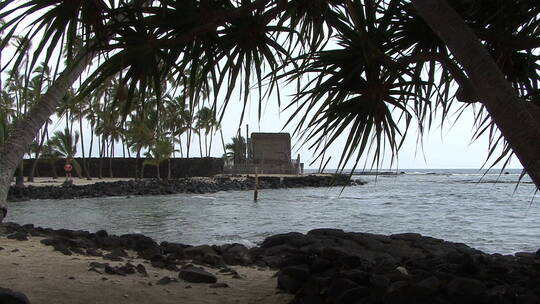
{"type": "Point", "coordinates": [466, 92]}
{"type": "Point", "coordinates": [213, 23]}
{"type": "Point", "coordinates": [511, 114]}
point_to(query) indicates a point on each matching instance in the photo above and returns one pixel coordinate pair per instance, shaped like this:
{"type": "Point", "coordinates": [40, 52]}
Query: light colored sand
{"type": "Point", "coordinates": [49, 181]}
{"type": "Point", "coordinates": [46, 276]}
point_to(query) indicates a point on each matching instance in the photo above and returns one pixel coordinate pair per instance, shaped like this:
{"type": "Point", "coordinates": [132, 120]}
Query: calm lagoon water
{"type": "Point", "coordinates": [485, 211]}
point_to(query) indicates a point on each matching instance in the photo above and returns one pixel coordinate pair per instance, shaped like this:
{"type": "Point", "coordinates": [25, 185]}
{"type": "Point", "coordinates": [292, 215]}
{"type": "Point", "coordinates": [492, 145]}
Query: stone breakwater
{"type": "Point", "coordinates": [326, 265]}
{"type": "Point", "coordinates": [184, 185]}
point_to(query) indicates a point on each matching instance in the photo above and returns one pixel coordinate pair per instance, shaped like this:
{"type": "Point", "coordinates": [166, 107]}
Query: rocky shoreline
{"type": "Point", "coordinates": [325, 265]}
{"type": "Point", "coordinates": [184, 185]}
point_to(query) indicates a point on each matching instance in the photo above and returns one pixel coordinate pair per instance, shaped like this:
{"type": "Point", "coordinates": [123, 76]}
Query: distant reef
{"type": "Point", "coordinates": [175, 186]}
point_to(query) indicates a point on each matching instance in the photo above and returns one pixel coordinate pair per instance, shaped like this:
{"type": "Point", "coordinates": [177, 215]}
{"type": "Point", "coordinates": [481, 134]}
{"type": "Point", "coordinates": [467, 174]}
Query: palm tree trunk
{"type": "Point", "coordinates": [127, 149]}
{"type": "Point", "coordinates": [169, 168]}
{"type": "Point", "coordinates": [206, 144]}
{"type": "Point", "coordinates": [53, 167]}
{"type": "Point", "coordinates": [180, 145]}
{"type": "Point", "coordinates": [71, 121]}
{"type": "Point", "coordinates": [511, 114]}
{"type": "Point", "coordinates": [137, 159]}
{"type": "Point", "coordinates": [25, 128]}
{"type": "Point", "coordinates": [38, 151]}
{"type": "Point", "coordinates": [200, 144]}
{"type": "Point", "coordinates": [19, 180]}
{"type": "Point", "coordinates": [84, 168]}
{"type": "Point", "coordinates": [67, 121]}
{"type": "Point", "coordinates": [111, 155]}
{"type": "Point", "coordinates": [1, 87]}
{"type": "Point", "coordinates": [223, 141]}
{"type": "Point", "coordinates": [26, 80]}
{"type": "Point", "coordinates": [101, 156]}
{"type": "Point", "coordinates": [90, 153]}
{"type": "Point", "coordinates": [210, 145]}
{"type": "Point", "coordinates": [188, 143]}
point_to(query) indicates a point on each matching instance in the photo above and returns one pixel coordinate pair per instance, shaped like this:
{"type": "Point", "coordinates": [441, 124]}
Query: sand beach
{"type": "Point", "coordinates": [48, 276]}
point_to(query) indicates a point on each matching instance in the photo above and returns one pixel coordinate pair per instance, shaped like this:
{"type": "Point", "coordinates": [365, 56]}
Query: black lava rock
{"type": "Point", "coordinates": [8, 296]}
{"type": "Point", "coordinates": [292, 278]}
{"type": "Point", "coordinates": [196, 275]}
{"type": "Point", "coordinates": [19, 236]}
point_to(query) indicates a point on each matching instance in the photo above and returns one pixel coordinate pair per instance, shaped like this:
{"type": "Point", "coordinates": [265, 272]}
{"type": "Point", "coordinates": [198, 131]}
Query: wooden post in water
{"type": "Point", "coordinates": [256, 186]}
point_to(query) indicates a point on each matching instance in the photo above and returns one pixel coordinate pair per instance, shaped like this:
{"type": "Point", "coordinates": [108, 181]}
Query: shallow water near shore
{"type": "Point", "coordinates": [487, 211]}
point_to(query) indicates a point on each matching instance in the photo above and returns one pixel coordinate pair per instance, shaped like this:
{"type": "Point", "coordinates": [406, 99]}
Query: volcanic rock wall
{"type": "Point", "coordinates": [125, 167]}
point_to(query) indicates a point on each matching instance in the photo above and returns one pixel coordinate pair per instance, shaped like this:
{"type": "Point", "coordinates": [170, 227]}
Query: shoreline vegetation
{"type": "Point", "coordinates": [197, 185]}
{"type": "Point", "coordinates": [321, 266]}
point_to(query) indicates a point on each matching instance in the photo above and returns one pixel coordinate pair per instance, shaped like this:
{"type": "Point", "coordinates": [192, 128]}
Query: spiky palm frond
{"type": "Point", "coordinates": [236, 150]}
{"type": "Point", "coordinates": [55, 21]}
{"type": "Point", "coordinates": [206, 119]}
{"type": "Point", "coordinates": [509, 31]}
{"type": "Point", "coordinates": [49, 154]}
{"type": "Point", "coordinates": [139, 135]}
{"type": "Point", "coordinates": [360, 88]}
{"type": "Point", "coordinates": [215, 53]}
{"type": "Point", "coordinates": [310, 18]}
{"type": "Point", "coordinates": [65, 143]}
{"type": "Point", "coordinates": [159, 152]}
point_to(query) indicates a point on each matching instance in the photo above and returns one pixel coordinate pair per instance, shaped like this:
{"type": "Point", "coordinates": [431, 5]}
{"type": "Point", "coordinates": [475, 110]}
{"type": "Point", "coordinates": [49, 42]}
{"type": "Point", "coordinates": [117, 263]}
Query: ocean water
{"type": "Point", "coordinates": [486, 210]}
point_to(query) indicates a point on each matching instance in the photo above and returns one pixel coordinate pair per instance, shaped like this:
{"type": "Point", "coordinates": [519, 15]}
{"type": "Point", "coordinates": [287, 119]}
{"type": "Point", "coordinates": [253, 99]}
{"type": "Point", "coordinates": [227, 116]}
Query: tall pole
{"type": "Point", "coordinates": [247, 141]}
{"type": "Point", "coordinates": [256, 186]}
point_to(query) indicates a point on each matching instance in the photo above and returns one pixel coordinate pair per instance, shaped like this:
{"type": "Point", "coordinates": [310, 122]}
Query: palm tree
{"type": "Point", "coordinates": [159, 152]}
{"type": "Point", "coordinates": [65, 145]}
{"type": "Point", "coordinates": [236, 151]}
{"type": "Point", "coordinates": [35, 149]}
{"type": "Point", "coordinates": [51, 157]}
{"type": "Point", "coordinates": [79, 116]}
{"type": "Point", "coordinates": [7, 114]}
{"type": "Point", "coordinates": [505, 97]}
{"type": "Point", "coordinates": [40, 81]}
{"type": "Point", "coordinates": [139, 135]}
{"type": "Point", "coordinates": [2, 24]}
{"type": "Point", "coordinates": [93, 113]}
{"type": "Point", "coordinates": [206, 120]}
{"type": "Point", "coordinates": [68, 107]}
{"type": "Point", "coordinates": [111, 131]}
{"type": "Point", "coordinates": [19, 82]}
{"type": "Point", "coordinates": [16, 88]}
{"type": "Point", "coordinates": [107, 125]}
{"type": "Point", "coordinates": [177, 119]}
{"type": "Point", "coordinates": [64, 18]}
